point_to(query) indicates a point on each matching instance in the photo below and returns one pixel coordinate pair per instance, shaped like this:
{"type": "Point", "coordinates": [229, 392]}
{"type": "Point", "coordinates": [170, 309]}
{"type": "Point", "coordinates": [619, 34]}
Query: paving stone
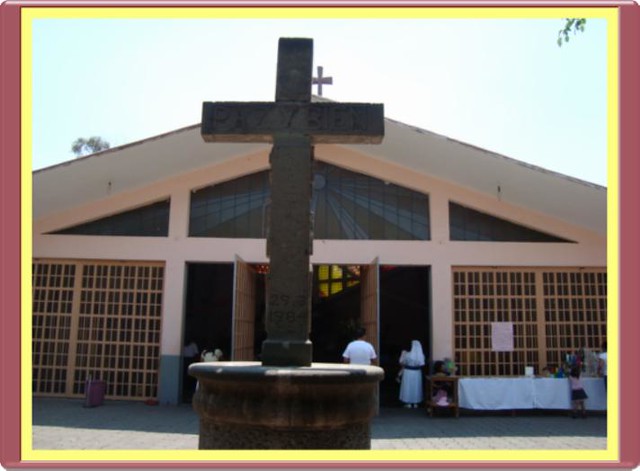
{"type": "Point", "coordinates": [65, 424]}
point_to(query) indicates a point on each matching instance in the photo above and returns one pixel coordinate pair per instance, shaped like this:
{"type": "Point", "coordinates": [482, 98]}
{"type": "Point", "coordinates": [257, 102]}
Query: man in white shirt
{"type": "Point", "coordinates": [359, 351]}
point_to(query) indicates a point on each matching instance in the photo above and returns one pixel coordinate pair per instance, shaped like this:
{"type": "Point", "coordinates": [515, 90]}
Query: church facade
{"type": "Point", "coordinates": [141, 249]}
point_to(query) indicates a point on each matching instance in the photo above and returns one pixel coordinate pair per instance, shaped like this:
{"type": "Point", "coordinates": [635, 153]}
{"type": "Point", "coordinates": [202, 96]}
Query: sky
{"type": "Point", "coordinates": [499, 84]}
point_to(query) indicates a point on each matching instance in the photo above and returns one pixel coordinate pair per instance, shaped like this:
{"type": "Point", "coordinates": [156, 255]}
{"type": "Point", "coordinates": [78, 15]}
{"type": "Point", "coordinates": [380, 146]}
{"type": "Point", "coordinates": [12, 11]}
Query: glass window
{"type": "Point", "coordinates": [147, 221]}
{"type": "Point", "coordinates": [333, 279]}
{"type": "Point", "coordinates": [344, 205]}
{"type": "Point", "coordinates": [231, 209]}
{"type": "Point", "coordinates": [469, 224]}
{"type": "Point", "coordinates": [348, 205]}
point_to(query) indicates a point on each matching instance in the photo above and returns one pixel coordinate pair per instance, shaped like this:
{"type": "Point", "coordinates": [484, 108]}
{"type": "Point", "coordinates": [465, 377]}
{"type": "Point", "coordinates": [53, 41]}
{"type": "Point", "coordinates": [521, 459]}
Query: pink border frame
{"type": "Point", "coordinates": [10, 241]}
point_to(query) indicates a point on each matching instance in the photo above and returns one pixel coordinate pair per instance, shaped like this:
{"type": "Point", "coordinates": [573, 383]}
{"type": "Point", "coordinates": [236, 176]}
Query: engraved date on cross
{"type": "Point", "coordinates": [285, 310]}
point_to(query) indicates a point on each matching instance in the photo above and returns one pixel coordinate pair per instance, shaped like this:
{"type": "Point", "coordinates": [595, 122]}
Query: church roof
{"type": "Point", "coordinates": [82, 180]}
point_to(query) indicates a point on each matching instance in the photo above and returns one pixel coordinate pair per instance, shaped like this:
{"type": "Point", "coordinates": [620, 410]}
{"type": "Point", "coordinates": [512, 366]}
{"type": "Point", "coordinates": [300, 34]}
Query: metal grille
{"type": "Point", "coordinates": [112, 318]}
{"type": "Point", "coordinates": [575, 312]}
{"type": "Point", "coordinates": [553, 313]}
{"type": "Point", "coordinates": [52, 291]}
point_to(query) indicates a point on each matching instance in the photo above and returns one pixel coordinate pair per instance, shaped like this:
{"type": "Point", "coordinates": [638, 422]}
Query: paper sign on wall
{"type": "Point", "coordinates": [502, 336]}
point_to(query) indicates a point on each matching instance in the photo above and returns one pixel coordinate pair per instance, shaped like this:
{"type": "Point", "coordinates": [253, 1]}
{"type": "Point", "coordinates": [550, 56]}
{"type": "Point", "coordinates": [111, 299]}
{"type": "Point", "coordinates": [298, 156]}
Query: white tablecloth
{"type": "Point", "coordinates": [527, 393]}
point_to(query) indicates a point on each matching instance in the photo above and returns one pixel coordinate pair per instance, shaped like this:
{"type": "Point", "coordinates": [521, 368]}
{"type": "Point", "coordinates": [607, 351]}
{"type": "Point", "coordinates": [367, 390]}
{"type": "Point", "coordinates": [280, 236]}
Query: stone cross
{"type": "Point", "coordinates": [293, 124]}
{"type": "Point", "coordinates": [319, 80]}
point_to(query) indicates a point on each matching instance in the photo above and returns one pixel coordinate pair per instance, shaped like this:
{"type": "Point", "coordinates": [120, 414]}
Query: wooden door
{"type": "Point", "coordinates": [244, 311]}
{"type": "Point", "coordinates": [370, 310]}
{"type": "Point", "coordinates": [370, 303]}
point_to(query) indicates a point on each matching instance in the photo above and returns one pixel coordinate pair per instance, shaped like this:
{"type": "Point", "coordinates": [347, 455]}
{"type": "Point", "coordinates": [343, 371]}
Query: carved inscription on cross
{"type": "Point", "coordinates": [293, 124]}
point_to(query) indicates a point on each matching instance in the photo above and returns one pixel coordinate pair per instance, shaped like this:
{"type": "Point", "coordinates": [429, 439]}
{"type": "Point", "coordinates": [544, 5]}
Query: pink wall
{"type": "Point", "coordinates": [439, 253]}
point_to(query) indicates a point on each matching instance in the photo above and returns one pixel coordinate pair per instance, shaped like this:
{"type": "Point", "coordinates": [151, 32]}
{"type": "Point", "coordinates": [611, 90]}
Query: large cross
{"type": "Point", "coordinates": [319, 80]}
{"type": "Point", "coordinates": [293, 124]}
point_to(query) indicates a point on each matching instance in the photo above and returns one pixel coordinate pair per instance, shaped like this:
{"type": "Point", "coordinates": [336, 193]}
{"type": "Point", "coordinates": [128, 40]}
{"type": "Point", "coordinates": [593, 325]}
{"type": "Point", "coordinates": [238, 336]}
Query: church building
{"type": "Point", "coordinates": [141, 249]}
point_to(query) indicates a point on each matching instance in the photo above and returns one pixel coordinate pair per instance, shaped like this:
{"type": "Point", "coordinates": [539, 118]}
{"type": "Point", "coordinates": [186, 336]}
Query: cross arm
{"type": "Point", "coordinates": [348, 123]}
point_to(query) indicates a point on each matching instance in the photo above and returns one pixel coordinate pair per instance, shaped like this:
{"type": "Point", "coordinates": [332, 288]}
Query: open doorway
{"type": "Point", "coordinates": [208, 305]}
{"type": "Point", "coordinates": [209, 311]}
{"type": "Point", "coordinates": [208, 308]}
{"type": "Point", "coordinates": [335, 310]}
{"type": "Point", "coordinates": [404, 302]}
{"type": "Point", "coordinates": [405, 315]}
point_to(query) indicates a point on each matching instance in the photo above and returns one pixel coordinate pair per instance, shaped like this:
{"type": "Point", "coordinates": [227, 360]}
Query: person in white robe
{"type": "Point", "coordinates": [411, 391]}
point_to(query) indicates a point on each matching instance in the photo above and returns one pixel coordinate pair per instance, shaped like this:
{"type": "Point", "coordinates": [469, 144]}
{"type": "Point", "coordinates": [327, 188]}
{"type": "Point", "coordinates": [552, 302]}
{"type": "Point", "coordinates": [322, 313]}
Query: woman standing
{"type": "Point", "coordinates": [411, 392]}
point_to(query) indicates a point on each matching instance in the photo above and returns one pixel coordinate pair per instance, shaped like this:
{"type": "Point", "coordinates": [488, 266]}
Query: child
{"type": "Point", "coordinates": [444, 390]}
{"type": "Point", "coordinates": [578, 395]}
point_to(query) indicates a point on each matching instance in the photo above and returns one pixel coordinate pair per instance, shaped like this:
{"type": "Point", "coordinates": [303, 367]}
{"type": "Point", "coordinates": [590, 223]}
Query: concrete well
{"type": "Point", "coordinates": [244, 405]}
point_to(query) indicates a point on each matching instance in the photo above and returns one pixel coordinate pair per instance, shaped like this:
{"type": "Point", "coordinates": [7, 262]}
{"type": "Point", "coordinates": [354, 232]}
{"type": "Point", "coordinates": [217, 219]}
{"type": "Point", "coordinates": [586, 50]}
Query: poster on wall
{"type": "Point", "coordinates": [502, 336]}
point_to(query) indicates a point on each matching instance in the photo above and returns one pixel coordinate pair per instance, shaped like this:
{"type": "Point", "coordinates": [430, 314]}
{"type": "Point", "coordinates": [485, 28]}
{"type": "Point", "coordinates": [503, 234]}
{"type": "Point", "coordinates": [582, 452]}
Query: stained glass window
{"type": "Point", "coordinates": [344, 205]}
{"type": "Point", "coordinates": [332, 279]}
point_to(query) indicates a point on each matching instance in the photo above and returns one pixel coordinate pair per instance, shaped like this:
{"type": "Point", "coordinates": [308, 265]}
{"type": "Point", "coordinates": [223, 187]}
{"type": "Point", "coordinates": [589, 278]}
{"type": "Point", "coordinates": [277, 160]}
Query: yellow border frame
{"type": "Point", "coordinates": [610, 455]}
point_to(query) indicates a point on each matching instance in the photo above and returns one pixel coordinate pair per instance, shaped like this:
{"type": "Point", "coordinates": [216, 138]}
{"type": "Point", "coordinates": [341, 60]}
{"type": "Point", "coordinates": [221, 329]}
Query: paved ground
{"type": "Point", "coordinates": [66, 424]}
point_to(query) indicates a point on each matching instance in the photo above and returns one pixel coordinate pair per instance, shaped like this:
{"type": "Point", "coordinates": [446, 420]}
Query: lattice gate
{"type": "Point", "coordinates": [554, 311]}
{"type": "Point", "coordinates": [100, 320]}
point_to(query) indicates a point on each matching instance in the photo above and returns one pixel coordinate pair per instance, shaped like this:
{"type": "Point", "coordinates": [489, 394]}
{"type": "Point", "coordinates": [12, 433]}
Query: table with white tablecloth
{"type": "Point", "coordinates": [527, 393]}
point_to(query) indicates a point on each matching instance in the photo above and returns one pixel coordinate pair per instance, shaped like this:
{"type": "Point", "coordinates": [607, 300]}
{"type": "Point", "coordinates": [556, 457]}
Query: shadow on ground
{"type": "Point", "coordinates": [411, 423]}
{"type": "Point", "coordinates": [115, 415]}
{"type": "Point", "coordinates": [392, 423]}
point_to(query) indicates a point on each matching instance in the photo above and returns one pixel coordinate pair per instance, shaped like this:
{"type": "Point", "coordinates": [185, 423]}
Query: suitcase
{"type": "Point", "coordinates": [94, 390]}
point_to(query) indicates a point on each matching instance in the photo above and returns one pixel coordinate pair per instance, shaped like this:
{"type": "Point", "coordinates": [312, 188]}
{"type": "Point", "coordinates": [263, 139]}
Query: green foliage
{"type": "Point", "coordinates": [82, 146]}
{"type": "Point", "coordinates": [571, 24]}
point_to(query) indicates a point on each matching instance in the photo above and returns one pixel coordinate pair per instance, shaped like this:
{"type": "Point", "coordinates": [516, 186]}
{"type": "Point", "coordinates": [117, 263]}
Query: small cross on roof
{"type": "Point", "coordinates": [319, 80]}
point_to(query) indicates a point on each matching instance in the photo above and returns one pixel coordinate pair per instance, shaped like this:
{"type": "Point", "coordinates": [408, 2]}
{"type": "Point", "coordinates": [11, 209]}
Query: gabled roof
{"type": "Point", "coordinates": [570, 199]}
{"type": "Point", "coordinates": [141, 163]}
